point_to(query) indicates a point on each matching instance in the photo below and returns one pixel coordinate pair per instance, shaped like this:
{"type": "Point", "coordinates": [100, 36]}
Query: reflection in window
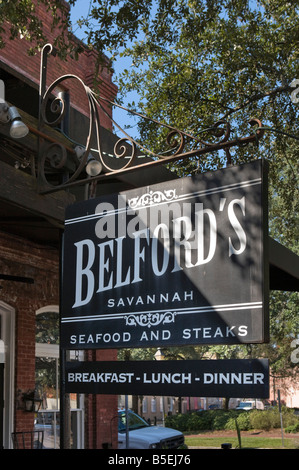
{"type": "Point", "coordinates": [47, 383]}
{"type": "Point", "coordinates": [47, 376]}
{"type": "Point", "coordinates": [47, 328]}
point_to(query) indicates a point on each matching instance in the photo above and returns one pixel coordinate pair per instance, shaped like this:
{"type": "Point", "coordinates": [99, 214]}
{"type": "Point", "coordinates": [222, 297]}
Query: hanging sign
{"type": "Point", "coordinates": [210, 378]}
{"type": "Point", "coordinates": [179, 263]}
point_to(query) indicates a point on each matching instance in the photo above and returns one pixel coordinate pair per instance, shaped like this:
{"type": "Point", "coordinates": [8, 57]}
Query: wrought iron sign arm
{"type": "Point", "coordinates": [55, 157]}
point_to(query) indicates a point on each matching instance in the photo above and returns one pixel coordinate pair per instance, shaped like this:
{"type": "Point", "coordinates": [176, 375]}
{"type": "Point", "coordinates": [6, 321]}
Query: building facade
{"type": "Point", "coordinates": [30, 241]}
{"type": "Point", "coordinates": [30, 230]}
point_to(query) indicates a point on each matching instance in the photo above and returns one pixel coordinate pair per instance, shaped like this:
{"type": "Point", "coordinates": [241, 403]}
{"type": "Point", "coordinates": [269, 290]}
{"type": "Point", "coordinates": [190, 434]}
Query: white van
{"type": "Point", "coordinates": [250, 405]}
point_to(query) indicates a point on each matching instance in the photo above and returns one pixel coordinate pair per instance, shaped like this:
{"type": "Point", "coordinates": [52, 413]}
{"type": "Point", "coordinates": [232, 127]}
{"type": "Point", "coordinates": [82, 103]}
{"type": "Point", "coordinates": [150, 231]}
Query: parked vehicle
{"type": "Point", "coordinates": [214, 407]}
{"type": "Point", "coordinates": [250, 405]}
{"type": "Point", "coordinates": [143, 436]}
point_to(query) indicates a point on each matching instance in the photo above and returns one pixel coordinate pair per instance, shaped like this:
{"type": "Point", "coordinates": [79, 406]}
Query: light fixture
{"type": "Point", "coordinates": [159, 355]}
{"type": "Point", "coordinates": [10, 113]}
{"type": "Point", "coordinates": [18, 129]}
{"type": "Point", "coordinates": [4, 118]}
{"type": "Point", "coordinates": [93, 167]}
{"type": "Point", "coordinates": [32, 402]}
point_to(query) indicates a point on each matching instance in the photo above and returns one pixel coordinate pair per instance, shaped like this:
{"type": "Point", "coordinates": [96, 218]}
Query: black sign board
{"type": "Point", "coordinates": [235, 378]}
{"type": "Point", "coordinates": [178, 263]}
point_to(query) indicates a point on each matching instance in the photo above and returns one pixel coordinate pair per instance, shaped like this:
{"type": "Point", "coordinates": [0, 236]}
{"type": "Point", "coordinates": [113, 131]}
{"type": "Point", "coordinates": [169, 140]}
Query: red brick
{"type": "Point", "coordinates": [21, 257]}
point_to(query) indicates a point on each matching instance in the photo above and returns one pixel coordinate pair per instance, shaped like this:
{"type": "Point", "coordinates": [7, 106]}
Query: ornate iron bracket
{"type": "Point", "coordinates": [54, 157]}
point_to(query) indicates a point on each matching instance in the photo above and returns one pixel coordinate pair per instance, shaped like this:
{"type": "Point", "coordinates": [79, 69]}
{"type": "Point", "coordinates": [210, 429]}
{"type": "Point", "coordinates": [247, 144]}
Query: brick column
{"type": "Point", "coordinates": [106, 405]}
{"type": "Point", "coordinates": [25, 362]}
{"type": "Point", "coordinates": [101, 410]}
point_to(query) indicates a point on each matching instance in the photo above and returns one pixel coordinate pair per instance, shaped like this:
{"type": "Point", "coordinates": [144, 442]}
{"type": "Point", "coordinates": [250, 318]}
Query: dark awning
{"type": "Point", "coordinates": [284, 267]}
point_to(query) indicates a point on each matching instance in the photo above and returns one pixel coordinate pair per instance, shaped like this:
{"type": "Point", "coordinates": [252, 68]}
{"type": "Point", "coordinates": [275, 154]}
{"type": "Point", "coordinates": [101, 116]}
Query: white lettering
{"type": "Point", "coordinates": [242, 331]}
{"type": "Point", "coordinates": [139, 254]}
{"type": "Point", "coordinates": [105, 226]}
{"type": "Point", "coordinates": [155, 245]}
{"type": "Point", "coordinates": [209, 332]}
{"type": "Point", "coordinates": [84, 271]}
{"type": "Point", "coordinates": [295, 353]}
{"type": "Point", "coordinates": [179, 242]}
{"type": "Point", "coordinates": [242, 378]}
{"type": "Point", "coordinates": [237, 227]}
{"type": "Point", "coordinates": [119, 265]}
{"type": "Point", "coordinates": [98, 338]}
{"type": "Point", "coordinates": [294, 97]}
{"type": "Point", "coordinates": [104, 266]}
{"type": "Point", "coordinates": [163, 377]}
{"type": "Point", "coordinates": [166, 297]}
{"type": "Point", "coordinates": [176, 243]}
{"type": "Point", "coordinates": [100, 377]}
{"type": "Point", "coordinates": [199, 227]}
{"type": "Point", "coordinates": [155, 335]}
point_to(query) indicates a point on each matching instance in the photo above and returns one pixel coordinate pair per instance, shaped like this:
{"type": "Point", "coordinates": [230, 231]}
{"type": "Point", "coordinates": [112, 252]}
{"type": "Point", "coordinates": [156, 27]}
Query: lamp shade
{"type": "Point", "coordinates": [17, 129]}
{"type": "Point", "coordinates": [93, 167]}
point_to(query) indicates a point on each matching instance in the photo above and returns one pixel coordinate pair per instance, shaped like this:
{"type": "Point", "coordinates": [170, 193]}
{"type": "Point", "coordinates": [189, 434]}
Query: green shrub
{"type": "Point", "coordinates": [209, 420]}
{"type": "Point", "coordinates": [293, 428]}
{"type": "Point", "coordinates": [194, 422]}
{"type": "Point", "coordinates": [230, 424]}
{"type": "Point", "coordinates": [289, 418]}
{"type": "Point", "coordinates": [260, 420]}
{"type": "Point", "coordinates": [221, 419]}
{"type": "Point", "coordinates": [243, 420]}
{"type": "Point", "coordinates": [178, 422]}
{"type": "Point", "coordinates": [274, 417]}
{"type": "Point", "coordinates": [206, 419]}
{"type": "Point", "coordinates": [200, 421]}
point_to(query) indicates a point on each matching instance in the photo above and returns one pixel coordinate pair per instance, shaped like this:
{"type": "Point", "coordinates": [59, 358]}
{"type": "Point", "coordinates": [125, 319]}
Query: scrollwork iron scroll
{"type": "Point", "coordinates": [55, 157]}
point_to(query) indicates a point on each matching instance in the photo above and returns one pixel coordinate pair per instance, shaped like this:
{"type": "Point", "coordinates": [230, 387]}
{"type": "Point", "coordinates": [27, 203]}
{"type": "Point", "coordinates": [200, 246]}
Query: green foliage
{"type": "Point", "coordinates": [192, 64]}
{"type": "Point", "coordinates": [242, 421]}
{"type": "Point", "coordinates": [270, 419]}
{"type": "Point", "coordinates": [292, 428]}
{"type": "Point", "coordinates": [191, 422]}
{"type": "Point", "coordinates": [201, 421]}
{"type": "Point", "coordinates": [222, 418]}
{"type": "Point", "coordinates": [179, 422]}
{"type": "Point", "coordinates": [195, 63]}
{"type": "Point", "coordinates": [262, 420]}
{"type": "Point", "coordinates": [217, 420]}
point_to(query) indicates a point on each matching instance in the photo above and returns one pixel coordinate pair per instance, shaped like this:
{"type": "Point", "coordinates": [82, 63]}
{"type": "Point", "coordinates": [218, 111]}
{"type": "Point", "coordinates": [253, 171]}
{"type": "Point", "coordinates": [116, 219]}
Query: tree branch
{"type": "Point", "coordinates": [257, 97]}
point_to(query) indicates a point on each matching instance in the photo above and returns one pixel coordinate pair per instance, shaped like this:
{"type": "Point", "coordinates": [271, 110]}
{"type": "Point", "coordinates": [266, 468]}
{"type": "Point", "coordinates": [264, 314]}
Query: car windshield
{"type": "Point", "coordinates": [135, 421]}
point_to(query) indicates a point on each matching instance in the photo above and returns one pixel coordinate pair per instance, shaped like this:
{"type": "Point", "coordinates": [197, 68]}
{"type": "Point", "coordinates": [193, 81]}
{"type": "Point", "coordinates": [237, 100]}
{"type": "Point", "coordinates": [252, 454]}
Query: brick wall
{"type": "Point", "coordinates": [15, 56]}
{"type": "Point", "coordinates": [106, 405]}
{"type": "Point", "coordinates": [22, 258]}
{"type": "Point", "coordinates": [101, 431]}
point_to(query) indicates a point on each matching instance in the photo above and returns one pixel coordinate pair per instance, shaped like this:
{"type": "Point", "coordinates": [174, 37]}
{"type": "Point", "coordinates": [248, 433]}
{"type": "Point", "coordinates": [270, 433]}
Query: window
{"type": "Point", "coordinates": [47, 382]}
{"type": "Point", "coordinates": [153, 405]}
{"type": "Point", "coordinates": [47, 327]}
{"type": "Point", "coordinates": [144, 405]}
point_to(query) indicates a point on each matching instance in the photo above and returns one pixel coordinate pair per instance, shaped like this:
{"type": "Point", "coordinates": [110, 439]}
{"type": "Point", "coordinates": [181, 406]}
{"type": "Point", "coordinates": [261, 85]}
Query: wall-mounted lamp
{"type": "Point", "coordinates": [32, 402]}
{"type": "Point", "coordinates": [93, 167]}
{"type": "Point", "coordinates": [159, 355]}
{"type": "Point", "coordinates": [10, 113]}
